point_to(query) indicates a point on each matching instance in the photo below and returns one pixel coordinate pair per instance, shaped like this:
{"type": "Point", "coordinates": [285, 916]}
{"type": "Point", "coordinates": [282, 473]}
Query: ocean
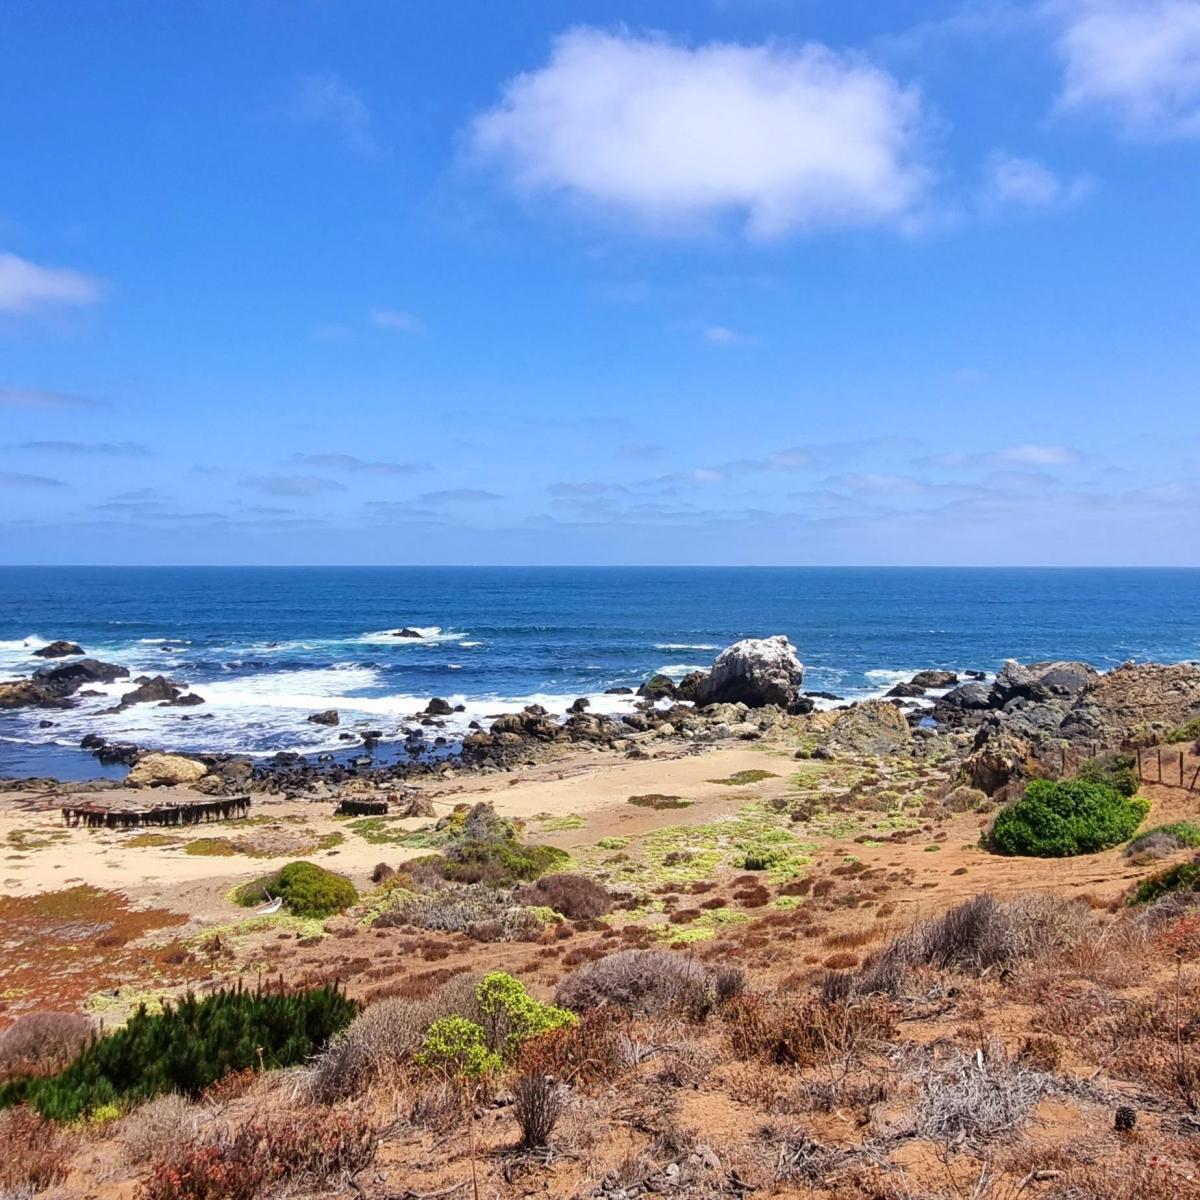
{"type": "Point", "coordinates": [266, 647]}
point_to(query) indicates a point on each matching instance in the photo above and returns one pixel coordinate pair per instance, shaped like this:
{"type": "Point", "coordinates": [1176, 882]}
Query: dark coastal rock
{"type": "Point", "coordinates": [74, 675]}
{"type": "Point", "coordinates": [58, 649]}
{"type": "Point", "coordinates": [437, 707]}
{"type": "Point", "coordinates": [1065, 678]}
{"type": "Point", "coordinates": [408, 633]}
{"type": "Point", "coordinates": [532, 722]}
{"type": "Point", "coordinates": [328, 716]}
{"type": "Point", "coordinates": [52, 687]}
{"type": "Point", "coordinates": [755, 672]}
{"type": "Point", "coordinates": [961, 705]}
{"type": "Point", "coordinates": [658, 687]}
{"type": "Point", "coordinates": [688, 688]}
{"type": "Point", "coordinates": [906, 689]}
{"type": "Point", "coordinates": [157, 688]}
{"type": "Point", "coordinates": [91, 741]}
{"type": "Point", "coordinates": [824, 696]}
{"type": "Point", "coordinates": [577, 706]}
{"type": "Point", "coordinates": [934, 679]}
{"type": "Point", "coordinates": [618, 691]}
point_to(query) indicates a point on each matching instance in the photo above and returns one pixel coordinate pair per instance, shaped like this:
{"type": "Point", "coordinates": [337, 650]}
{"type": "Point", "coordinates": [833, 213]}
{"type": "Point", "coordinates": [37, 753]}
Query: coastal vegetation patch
{"type": "Point", "coordinates": [743, 778]}
{"type": "Point", "coordinates": [1187, 732]}
{"type": "Point", "coordinates": [1061, 818]}
{"type": "Point", "coordinates": [306, 889]}
{"type": "Point", "coordinates": [186, 1047]}
{"type": "Point", "coordinates": [1185, 877]}
{"type": "Point", "coordinates": [657, 800]}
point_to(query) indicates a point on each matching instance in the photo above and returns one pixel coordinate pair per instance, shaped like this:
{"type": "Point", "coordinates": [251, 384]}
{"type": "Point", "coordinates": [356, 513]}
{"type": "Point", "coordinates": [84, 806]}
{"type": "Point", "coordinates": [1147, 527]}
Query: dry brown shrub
{"type": "Point", "coordinates": [648, 981]}
{"type": "Point", "coordinates": [575, 896]}
{"type": "Point", "coordinates": [164, 1121]}
{"type": "Point", "coordinates": [378, 1045]}
{"type": "Point", "coordinates": [41, 1043]}
{"type": "Point", "coordinates": [803, 1033]}
{"type": "Point", "coordinates": [593, 1050]}
{"type": "Point", "coordinates": [34, 1153]}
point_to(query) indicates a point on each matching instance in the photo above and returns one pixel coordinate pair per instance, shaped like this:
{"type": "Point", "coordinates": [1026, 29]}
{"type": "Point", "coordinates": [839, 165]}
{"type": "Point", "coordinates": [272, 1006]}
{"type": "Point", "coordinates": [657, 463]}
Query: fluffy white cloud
{"type": "Point", "coordinates": [1137, 59]}
{"type": "Point", "coordinates": [1012, 182]}
{"type": "Point", "coordinates": [27, 288]}
{"type": "Point", "coordinates": [781, 138]}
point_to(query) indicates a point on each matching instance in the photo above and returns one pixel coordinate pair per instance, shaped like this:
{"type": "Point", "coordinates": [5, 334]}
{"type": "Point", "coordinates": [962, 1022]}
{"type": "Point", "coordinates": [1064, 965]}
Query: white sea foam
{"type": "Point", "coordinates": [684, 646]}
{"type": "Point", "coordinates": [470, 645]}
{"type": "Point", "coordinates": [679, 669]}
{"type": "Point", "coordinates": [391, 637]}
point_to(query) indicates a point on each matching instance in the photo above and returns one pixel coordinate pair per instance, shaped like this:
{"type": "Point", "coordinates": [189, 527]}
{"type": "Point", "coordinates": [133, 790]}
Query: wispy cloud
{"type": "Point", "coordinates": [722, 335]}
{"type": "Point", "coordinates": [397, 320]}
{"type": "Point", "coordinates": [462, 495]}
{"type": "Point", "coordinates": [1012, 182]}
{"type": "Point", "coordinates": [17, 479]}
{"type": "Point", "coordinates": [780, 138]}
{"type": "Point", "coordinates": [98, 449]}
{"type": "Point", "coordinates": [357, 466]}
{"type": "Point", "coordinates": [292, 485]}
{"type": "Point", "coordinates": [1027, 454]}
{"type": "Point", "coordinates": [329, 102]}
{"type": "Point", "coordinates": [1137, 61]}
{"type": "Point", "coordinates": [16, 397]}
{"type": "Point", "coordinates": [27, 288]}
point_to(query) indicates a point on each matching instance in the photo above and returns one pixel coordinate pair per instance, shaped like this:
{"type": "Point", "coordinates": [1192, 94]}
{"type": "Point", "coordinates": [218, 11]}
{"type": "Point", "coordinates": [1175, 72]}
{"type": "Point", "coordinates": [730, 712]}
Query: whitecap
{"type": "Point", "coordinates": [679, 669]}
{"type": "Point", "coordinates": [685, 646]}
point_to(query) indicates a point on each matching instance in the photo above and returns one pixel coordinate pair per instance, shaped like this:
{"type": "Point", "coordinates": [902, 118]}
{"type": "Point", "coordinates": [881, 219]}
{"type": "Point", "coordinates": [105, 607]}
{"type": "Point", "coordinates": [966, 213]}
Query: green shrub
{"type": "Point", "coordinates": [1058, 818]}
{"type": "Point", "coordinates": [307, 890]}
{"type": "Point", "coordinates": [186, 1047]}
{"type": "Point", "coordinates": [1187, 732]}
{"type": "Point", "coordinates": [1182, 878]}
{"type": "Point", "coordinates": [1119, 771]}
{"type": "Point", "coordinates": [1164, 839]}
{"type": "Point", "coordinates": [496, 863]}
{"type": "Point", "coordinates": [457, 1046]}
{"type": "Point", "coordinates": [509, 1016]}
{"type": "Point", "coordinates": [659, 801]}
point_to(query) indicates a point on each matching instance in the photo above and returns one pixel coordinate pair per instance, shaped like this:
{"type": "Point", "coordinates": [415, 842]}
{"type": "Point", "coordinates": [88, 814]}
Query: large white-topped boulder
{"type": "Point", "coordinates": [755, 672]}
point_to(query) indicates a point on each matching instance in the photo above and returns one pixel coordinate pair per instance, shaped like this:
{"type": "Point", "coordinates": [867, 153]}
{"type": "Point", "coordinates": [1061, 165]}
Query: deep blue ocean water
{"type": "Point", "coordinates": [268, 646]}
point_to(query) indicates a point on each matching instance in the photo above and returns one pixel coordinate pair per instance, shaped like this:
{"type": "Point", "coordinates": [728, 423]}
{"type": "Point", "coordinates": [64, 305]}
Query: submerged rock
{"type": "Point", "coordinates": [658, 687]}
{"type": "Point", "coordinates": [328, 716]}
{"type": "Point", "coordinates": [437, 707]}
{"type": "Point", "coordinates": [755, 672]}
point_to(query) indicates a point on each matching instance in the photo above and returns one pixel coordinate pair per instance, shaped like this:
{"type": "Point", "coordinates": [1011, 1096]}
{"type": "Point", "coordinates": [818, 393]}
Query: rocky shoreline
{"type": "Point", "coordinates": [1031, 719]}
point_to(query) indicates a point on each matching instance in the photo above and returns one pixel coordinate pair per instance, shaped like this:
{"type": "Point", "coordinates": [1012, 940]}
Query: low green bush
{"type": "Point", "coordinates": [1119, 771]}
{"type": "Point", "coordinates": [1188, 732]}
{"type": "Point", "coordinates": [1182, 878]}
{"type": "Point", "coordinates": [1165, 839]}
{"type": "Point", "coordinates": [457, 1046]}
{"type": "Point", "coordinates": [187, 1047]}
{"type": "Point", "coordinates": [1059, 818]}
{"type": "Point", "coordinates": [307, 890]}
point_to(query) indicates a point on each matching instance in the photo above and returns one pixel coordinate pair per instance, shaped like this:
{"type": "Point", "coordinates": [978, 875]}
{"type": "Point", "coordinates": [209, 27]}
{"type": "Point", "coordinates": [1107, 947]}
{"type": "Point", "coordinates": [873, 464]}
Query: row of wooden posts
{"type": "Point", "coordinates": [1166, 772]}
{"type": "Point", "coordinates": [100, 816]}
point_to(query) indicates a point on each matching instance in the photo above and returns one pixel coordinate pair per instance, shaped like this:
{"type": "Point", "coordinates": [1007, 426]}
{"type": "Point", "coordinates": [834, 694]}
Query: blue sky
{"type": "Point", "coordinates": [713, 281]}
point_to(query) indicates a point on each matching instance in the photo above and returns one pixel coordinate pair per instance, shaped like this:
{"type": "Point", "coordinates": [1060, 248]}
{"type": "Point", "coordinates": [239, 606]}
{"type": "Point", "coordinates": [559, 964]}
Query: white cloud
{"type": "Point", "coordinates": [1012, 182]}
{"type": "Point", "coordinates": [27, 288]}
{"type": "Point", "coordinates": [1138, 60]}
{"type": "Point", "coordinates": [722, 335]}
{"type": "Point", "coordinates": [781, 138]}
{"type": "Point", "coordinates": [1027, 454]}
{"type": "Point", "coordinates": [401, 322]}
{"type": "Point", "coordinates": [326, 100]}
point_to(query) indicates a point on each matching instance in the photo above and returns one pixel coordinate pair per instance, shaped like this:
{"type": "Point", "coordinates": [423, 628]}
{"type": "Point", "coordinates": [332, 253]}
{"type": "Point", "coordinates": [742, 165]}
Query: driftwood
{"type": "Point", "coordinates": [99, 816]}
